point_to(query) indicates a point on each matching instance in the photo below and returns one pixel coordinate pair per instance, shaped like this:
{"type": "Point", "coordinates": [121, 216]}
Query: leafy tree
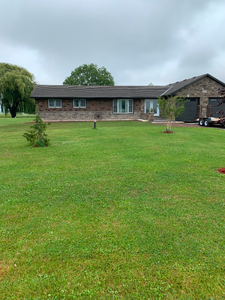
{"type": "Point", "coordinates": [90, 75]}
{"type": "Point", "coordinates": [37, 136]}
{"type": "Point", "coordinates": [170, 108]}
{"type": "Point", "coordinates": [16, 84]}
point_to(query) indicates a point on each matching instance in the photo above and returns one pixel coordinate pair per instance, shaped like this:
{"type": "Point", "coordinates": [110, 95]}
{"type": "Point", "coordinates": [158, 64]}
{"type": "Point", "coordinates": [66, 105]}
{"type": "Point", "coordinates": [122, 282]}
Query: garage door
{"type": "Point", "coordinates": [190, 111]}
{"type": "Point", "coordinates": [214, 107]}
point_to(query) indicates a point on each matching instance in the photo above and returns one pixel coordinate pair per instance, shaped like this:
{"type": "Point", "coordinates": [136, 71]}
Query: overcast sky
{"type": "Point", "coordinates": [138, 41]}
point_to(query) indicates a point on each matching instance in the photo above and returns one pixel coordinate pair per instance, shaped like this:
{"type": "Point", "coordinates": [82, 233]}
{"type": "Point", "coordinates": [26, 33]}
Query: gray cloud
{"type": "Point", "coordinates": [138, 41]}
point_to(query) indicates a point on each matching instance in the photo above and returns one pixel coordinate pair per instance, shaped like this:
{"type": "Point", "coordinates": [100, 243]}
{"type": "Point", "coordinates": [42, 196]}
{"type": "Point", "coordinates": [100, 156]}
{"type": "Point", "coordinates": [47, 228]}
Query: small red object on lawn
{"type": "Point", "coordinates": [222, 170]}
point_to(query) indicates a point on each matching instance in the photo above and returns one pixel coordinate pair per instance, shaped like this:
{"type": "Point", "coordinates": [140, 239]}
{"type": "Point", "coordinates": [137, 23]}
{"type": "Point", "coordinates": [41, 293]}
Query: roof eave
{"type": "Point", "coordinates": [197, 79]}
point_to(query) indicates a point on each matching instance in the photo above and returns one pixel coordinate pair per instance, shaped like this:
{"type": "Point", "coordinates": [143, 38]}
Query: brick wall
{"type": "Point", "coordinates": [203, 89]}
{"type": "Point", "coordinates": [96, 109]}
{"type": "Point", "coordinates": [67, 105]}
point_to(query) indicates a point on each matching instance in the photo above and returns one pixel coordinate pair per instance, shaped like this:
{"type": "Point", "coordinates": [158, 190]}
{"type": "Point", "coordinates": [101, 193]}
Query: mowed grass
{"type": "Point", "coordinates": [118, 212]}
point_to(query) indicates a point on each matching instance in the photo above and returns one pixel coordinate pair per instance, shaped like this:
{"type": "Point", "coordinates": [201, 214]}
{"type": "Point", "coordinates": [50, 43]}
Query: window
{"type": "Point", "coordinates": [54, 103]}
{"type": "Point", "coordinates": [79, 103]}
{"type": "Point", "coordinates": [122, 106]}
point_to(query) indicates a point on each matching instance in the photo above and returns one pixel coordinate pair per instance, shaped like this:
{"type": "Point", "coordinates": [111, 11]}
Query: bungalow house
{"type": "Point", "coordinates": [81, 103]}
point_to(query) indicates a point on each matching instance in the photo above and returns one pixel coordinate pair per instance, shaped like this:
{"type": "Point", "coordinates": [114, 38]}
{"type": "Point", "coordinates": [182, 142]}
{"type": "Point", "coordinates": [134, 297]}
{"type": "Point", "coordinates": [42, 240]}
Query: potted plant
{"type": "Point", "coordinates": [151, 114]}
{"type": "Point", "coordinates": [151, 110]}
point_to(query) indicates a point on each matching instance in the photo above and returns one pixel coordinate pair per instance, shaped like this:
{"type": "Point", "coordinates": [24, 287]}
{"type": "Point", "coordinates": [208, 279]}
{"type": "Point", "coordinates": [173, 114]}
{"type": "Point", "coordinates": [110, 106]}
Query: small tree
{"type": "Point", "coordinates": [170, 108]}
{"type": "Point", "coordinates": [37, 136]}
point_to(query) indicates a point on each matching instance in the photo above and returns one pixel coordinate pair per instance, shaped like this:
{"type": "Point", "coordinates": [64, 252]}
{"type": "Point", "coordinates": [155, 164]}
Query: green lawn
{"type": "Point", "coordinates": [118, 212]}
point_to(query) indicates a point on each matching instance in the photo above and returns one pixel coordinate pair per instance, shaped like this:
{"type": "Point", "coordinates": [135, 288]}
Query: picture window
{"type": "Point", "coordinates": [122, 106]}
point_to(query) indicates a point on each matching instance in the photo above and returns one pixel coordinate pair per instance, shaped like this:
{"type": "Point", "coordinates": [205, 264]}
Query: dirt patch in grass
{"type": "Point", "coordinates": [4, 268]}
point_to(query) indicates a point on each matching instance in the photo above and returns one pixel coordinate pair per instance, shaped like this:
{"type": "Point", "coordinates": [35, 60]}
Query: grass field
{"type": "Point", "coordinates": [18, 115]}
{"type": "Point", "coordinates": [118, 212]}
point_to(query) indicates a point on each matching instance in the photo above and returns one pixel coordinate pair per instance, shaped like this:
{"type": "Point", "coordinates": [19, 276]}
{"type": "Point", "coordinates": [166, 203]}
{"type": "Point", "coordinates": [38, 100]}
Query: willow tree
{"type": "Point", "coordinates": [16, 84]}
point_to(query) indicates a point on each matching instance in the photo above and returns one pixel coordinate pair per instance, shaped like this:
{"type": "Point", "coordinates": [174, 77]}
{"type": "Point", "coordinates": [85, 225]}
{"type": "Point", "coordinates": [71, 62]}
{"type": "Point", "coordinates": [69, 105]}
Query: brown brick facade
{"type": "Point", "coordinates": [67, 105]}
{"type": "Point", "coordinates": [99, 99]}
{"type": "Point", "coordinates": [96, 109]}
{"type": "Point", "coordinates": [203, 89]}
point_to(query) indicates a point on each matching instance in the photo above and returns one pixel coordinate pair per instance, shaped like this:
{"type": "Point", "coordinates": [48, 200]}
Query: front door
{"type": "Point", "coordinates": [151, 103]}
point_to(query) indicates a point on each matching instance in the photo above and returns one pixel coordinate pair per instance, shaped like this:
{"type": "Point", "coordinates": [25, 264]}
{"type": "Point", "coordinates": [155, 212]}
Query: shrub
{"type": "Point", "coordinates": [37, 136]}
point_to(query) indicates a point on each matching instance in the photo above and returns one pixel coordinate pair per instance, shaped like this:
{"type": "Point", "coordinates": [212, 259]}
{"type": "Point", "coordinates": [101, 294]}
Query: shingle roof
{"type": "Point", "coordinates": [114, 92]}
{"type": "Point", "coordinates": [78, 91]}
{"type": "Point", "coordinates": [175, 87]}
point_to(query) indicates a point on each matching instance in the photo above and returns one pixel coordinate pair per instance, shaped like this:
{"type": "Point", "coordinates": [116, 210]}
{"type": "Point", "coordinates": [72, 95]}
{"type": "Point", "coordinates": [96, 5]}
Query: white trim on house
{"type": "Point", "coordinates": [164, 93]}
{"type": "Point", "coordinates": [54, 103]}
{"type": "Point", "coordinates": [123, 106]}
{"type": "Point", "coordinates": [152, 103]}
{"type": "Point", "coordinates": [79, 103]}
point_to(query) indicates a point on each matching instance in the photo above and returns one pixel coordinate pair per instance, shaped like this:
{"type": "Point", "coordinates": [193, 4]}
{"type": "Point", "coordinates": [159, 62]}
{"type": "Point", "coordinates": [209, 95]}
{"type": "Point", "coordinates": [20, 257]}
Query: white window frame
{"type": "Point", "coordinates": [79, 103]}
{"type": "Point", "coordinates": [151, 106]}
{"type": "Point", "coordinates": [55, 106]}
{"type": "Point", "coordinates": [129, 105]}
